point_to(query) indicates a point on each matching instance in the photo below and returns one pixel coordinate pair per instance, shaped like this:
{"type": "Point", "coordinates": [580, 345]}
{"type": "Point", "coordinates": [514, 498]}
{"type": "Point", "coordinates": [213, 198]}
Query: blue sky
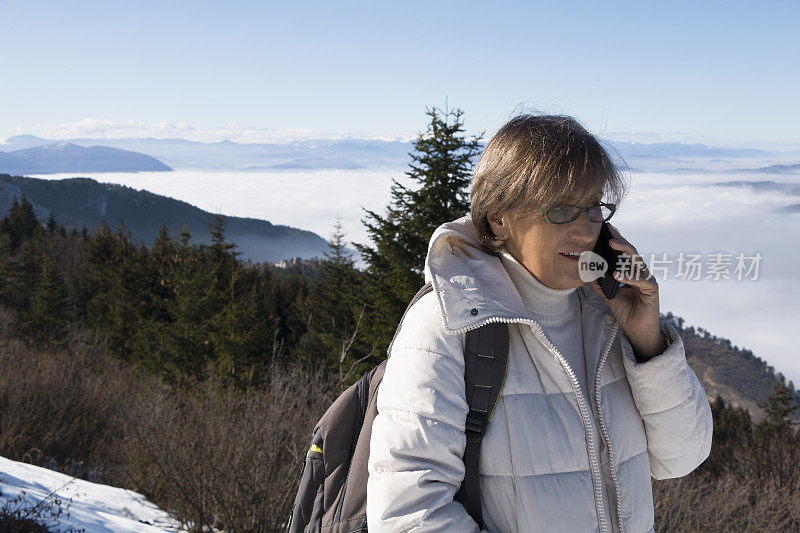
{"type": "Point", "coordinates": [718, 72]}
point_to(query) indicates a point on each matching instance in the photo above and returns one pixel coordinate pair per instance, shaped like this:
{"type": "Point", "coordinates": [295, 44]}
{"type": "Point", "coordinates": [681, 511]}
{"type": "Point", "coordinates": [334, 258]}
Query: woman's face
{"type": "Point", "coordinates": [539, 245]}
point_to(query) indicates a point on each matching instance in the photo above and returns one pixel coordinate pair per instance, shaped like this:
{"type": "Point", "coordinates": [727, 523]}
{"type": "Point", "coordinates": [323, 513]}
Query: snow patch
{"type": "Point", "coordinates": [88, 506]}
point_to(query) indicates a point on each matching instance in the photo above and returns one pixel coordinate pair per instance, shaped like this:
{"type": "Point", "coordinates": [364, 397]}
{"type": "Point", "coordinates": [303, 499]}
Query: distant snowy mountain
{"type": "Point", "coordinates": [69, 157]}
{"type": "Point", "coordinates": [86, 506]}
{"type": "Point", "coordinates": [321, 154]}
{"type": "Point", "coordinates": [312, 163]}
{"type": "Point", "coordinates": [666, 150]}
{"type": "Point", "coordinates": [227, 155]}
{"type": "Point", "coordinates": [22, 142]}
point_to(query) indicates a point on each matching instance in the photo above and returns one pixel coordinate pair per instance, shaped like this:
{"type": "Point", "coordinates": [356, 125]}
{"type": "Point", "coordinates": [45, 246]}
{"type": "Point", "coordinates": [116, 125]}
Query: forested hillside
{"type": "Point", "coordinates": [733, 373]}
{"type": "Point", "coordinates": [84, 203]}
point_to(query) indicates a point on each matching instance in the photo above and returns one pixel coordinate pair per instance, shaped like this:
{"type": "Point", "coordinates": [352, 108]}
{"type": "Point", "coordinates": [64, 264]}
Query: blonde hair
{"type": "Point", "coordinates": [535, 162]}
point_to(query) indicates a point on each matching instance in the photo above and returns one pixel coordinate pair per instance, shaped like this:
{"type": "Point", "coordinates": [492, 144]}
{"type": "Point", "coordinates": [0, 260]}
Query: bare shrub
{"type": "Point", "coordinates": [57, 405]}
{"type": "Point", "coordinates": [207, 453]}
{"type": "Point", "coordinates": [18, 515]}
{"type": "Point", "coordinates": [755, 486]}
{"type": "Point", "coordinates": [217, 457]}
{"type": "Point", "coordinates": [729, 503]}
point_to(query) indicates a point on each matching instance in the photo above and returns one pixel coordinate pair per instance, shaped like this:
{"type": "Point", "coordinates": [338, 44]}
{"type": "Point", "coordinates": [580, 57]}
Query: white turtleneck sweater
{"type": "Point", "coordinates": [556, 310]}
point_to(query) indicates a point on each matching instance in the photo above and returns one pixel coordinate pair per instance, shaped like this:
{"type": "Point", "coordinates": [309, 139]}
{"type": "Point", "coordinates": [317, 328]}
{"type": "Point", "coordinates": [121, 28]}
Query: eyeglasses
{"type": "Point", "coordinates": [561, 214]}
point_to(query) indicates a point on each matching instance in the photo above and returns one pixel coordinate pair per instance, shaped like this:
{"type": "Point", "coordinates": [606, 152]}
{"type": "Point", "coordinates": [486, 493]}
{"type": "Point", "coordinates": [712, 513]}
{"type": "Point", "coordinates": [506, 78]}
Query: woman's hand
{"type": "Point", "coordinates": [635, 305]}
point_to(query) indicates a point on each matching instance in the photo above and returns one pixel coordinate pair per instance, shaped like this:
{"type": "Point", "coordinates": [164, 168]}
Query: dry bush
{"type": "Point", "coordinates": [757, 488]}
{"type": "Point", "coordinates": [18, 515]}
{"type": "Point", "coordinates": [728, 503]}
{"type": "Point", "coordinates": [216, 457]}
{"type": "Point", "coordinates": [58, 405]}
{"type": "Point", "coordinates": [208, 454]}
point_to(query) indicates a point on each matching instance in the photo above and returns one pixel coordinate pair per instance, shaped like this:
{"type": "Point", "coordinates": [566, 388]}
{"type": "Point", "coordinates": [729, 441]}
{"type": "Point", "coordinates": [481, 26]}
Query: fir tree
{"type": "Point", "coordinates": [440, 169]}
{"type": "Point", "coordinates": [114, 288]}
{"type": "Point", "coordinates": [52, 225]}
{"type": "Point", "coordinates": [733, 430]}
{"type": "Point", "coordinates": [45, 319]}
{"type": "Point", "coordinates": [779, 408]}
{"type": "Point", "coordinates": [20, 223]}
{"type": "Point", "coordinates": [337, 308]}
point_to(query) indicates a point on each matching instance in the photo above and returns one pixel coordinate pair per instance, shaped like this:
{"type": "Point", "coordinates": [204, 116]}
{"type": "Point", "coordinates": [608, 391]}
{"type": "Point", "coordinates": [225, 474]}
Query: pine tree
{"type": "Point", "coordinates": [440, 168]}
{"type": "Point", "coordinates": [733, 431]}
{"type": "Point", "coordinates": [20, 223]}
{"type": "Point", "coordinates": [46, 318]}
{"type": "Point", "coordinates": [337, 308]}
{"type": "Point", "coordinates": [780, 408]}
{"type": "Point", "coordinates": [22, 245]}
{"type": "Point", "coordinates": [52, 225]}
{"type": "Point", "coordinates": [114, 288]}
{"type": "Point", "coordinates": [219, 247]}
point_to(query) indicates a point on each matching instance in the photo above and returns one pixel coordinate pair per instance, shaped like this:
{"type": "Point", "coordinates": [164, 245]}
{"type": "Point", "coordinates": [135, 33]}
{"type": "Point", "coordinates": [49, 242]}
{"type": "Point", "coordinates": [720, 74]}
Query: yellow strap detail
{"type": "Point", "coordinates": [315, 448]}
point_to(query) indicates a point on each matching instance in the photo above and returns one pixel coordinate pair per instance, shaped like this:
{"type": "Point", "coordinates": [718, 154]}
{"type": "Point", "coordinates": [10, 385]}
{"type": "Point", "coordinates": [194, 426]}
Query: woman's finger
{"type": "Point", "coordinates": [638, 276]}
{"type": "Point", "coordinates": [636, 265]}
{"type": "Point", "coordinates": [616, 234]}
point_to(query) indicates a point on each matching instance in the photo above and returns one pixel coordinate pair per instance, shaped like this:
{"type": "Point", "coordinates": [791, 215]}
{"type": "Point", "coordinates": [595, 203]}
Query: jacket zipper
{"type": "Point", "coordinates": [594, 460]}
{"type": "Point", "coordinates": [601, 419]}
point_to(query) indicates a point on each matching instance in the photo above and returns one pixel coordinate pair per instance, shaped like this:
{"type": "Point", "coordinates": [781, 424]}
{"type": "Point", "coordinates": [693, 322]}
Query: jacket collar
{"type": "Point", "coordinates": [472, 286]}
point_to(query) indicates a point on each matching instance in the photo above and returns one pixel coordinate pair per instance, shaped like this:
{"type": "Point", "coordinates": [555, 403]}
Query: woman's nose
{"type": "Point", "coordinates": [584, 229]}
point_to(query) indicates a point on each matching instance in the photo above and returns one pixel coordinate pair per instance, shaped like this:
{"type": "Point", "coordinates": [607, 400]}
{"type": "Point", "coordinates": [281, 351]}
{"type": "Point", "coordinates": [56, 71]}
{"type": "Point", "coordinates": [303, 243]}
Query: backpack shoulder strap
{"type": "Point", "coordinates": [486, 362]}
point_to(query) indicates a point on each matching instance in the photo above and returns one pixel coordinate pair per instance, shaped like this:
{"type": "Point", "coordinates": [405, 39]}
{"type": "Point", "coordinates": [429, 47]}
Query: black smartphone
{"type": "Point", "coordinates": [608, 284]}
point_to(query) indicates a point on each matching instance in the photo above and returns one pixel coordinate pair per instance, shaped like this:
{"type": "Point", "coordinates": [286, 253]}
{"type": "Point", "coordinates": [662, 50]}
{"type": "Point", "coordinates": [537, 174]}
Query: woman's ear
{"type": "Point", "coordinates": [498, 223]}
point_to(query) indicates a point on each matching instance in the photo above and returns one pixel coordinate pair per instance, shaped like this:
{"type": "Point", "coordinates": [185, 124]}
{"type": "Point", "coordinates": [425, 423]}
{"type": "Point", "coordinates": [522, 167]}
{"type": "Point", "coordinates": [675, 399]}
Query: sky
{"type": "Point", "coordinates": [722, 73]}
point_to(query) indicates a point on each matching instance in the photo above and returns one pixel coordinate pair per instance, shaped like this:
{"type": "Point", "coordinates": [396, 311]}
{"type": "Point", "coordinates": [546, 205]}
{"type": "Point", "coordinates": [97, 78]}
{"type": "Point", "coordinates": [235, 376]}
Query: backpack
{"type": "Point", "coordinates": [332, 496]}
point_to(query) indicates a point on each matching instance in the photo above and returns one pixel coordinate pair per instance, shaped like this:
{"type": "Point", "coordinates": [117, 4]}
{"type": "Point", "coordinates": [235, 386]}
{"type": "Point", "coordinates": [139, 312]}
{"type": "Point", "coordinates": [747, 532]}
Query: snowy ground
{"type": "Point", "coordinates": [86, 506]}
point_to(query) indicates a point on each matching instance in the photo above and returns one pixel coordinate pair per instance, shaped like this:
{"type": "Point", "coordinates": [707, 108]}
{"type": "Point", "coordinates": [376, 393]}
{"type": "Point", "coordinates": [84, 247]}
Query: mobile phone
{"type": "Point", "coordinates": [608, 283]}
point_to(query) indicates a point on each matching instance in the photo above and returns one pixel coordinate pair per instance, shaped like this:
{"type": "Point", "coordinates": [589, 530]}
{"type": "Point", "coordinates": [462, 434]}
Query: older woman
{"type": "Point", "coordinates": [597, 396]}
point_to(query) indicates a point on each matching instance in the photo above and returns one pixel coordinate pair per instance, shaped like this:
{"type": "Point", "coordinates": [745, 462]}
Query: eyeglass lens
{"type": "Point", "coordinates": [568, 213]}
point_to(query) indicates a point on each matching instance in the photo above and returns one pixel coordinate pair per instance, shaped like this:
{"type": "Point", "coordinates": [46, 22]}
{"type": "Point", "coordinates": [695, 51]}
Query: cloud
{"type": "Point", "coordinates": [98, 127]}
{"type": "Point", "coordinates": [111, 129]}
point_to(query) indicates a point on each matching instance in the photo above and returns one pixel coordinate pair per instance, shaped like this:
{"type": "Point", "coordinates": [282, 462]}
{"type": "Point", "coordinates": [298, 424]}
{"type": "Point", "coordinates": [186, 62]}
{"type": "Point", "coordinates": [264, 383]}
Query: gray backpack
{"type": "Point", "coordinates": [332, 496]}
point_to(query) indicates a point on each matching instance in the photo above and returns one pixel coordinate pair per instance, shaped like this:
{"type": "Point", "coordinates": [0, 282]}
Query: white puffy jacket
{"type": "Point", "coordinates": [551, 460]}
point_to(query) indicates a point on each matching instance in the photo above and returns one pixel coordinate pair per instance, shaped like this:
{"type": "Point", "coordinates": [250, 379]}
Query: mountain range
{"type": "Point", "coordinates": [84, 202]}
{"type": "Point", "coordinates": [365, 153]}
{"type": "Point", "coordinates": [69, 157]}
{"type": "Point", "coordinates": [228, 155]}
